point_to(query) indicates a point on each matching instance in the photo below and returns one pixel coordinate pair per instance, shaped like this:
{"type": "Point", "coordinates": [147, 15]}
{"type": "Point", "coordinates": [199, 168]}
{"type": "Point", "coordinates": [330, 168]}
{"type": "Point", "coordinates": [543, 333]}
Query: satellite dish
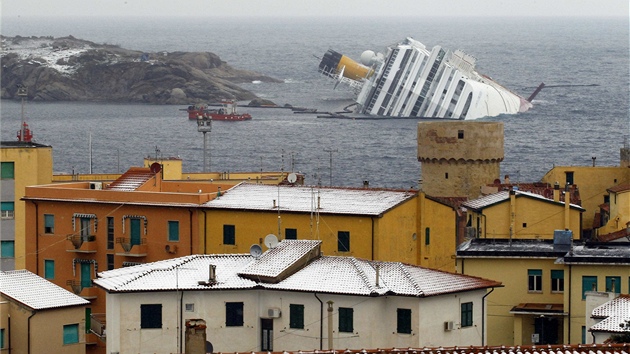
{"type": "Point", "coordinates": [271, 241]}
{"type": "Point", "coordinates": [292, 178]}
{"type": "Point", "coordinates": [255, 251]}
{"type": "Point", "coordinates": [156, 167]}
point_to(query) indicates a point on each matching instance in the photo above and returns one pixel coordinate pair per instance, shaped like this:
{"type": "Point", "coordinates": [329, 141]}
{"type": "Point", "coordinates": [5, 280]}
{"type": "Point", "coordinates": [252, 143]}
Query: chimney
{"type": "Point", "coordinates": [274, 203]}
{"type": "Point", "coordinates": [556, 192]}
{"type": "Point", "coordinates": [378, 272]}
{"type": "Point", "coordinates": [594, 158]}
{"type": "Point", "coordinates": [318, 202]}
{"type": "Point", "coordinates": [507, 179]}
{"type": "Point", "coordinates": [212, 274]}
{"type": "Point", "coordinates": [366, 184]}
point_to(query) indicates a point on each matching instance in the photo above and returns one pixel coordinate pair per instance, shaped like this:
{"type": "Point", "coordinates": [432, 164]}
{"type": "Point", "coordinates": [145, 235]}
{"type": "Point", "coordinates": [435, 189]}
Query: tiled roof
{"type": "Point", "coordinates": [276, 261]}
{"type": "Point", "coordinates": [613, 313]}
{"type": "Point", "coordinates": [623, 233]}
{"type": "Point", "coordinates": [132, 179]}
{"type": "Point", "coordinates": [246, 196]}
{"type": "Point", "coordinates": [325, 274]}
{"type": "Point", "coordinates": [619, 188]}
{"type": "Point", "coordinates": [623, 348]}
{"type": "Point", "coordinates": [489, 200]}
{"type": "Point", "coordinates": [36, 292]}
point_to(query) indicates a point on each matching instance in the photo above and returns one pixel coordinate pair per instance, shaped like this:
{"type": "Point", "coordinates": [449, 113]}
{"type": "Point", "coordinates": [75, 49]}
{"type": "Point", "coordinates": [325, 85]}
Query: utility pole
{"type": "Point", "coordinates": [330, 151]}
{"type": "Point", "coordinates": [204, 125]}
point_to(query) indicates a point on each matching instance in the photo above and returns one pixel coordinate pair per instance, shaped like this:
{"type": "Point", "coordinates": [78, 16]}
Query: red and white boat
{"type": "Point", "coordinates": [227, 112]}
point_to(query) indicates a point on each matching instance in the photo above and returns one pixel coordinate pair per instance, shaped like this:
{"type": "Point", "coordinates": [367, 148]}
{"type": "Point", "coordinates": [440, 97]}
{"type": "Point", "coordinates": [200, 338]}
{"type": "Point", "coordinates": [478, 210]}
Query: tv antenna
{"type": "Point", "coordinates": [330, 151]}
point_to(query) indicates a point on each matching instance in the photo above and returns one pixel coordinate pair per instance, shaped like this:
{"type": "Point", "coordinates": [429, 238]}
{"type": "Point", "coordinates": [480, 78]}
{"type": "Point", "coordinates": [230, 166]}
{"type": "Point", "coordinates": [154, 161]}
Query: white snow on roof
{"type": "Point", "coordinates": [247, 196]}
{"type": "Point", "coordinates": [325, 274]}
{"type": "Point", "coordinates": [40, 50]}
{"type": "Point", "coordinates": [501, 196]}
{"type": "Point", "coordinates": [36, 292]}
{"type": "Point", "coordinates": [614, 313]}
{"type": "Point", "coordinates": [276, 260]}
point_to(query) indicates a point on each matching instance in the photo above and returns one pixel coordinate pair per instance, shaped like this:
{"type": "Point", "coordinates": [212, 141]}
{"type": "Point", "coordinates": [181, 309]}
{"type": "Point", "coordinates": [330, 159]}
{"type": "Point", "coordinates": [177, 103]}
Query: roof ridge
{"type": "Point", "coordinates": [355, 263]}
{"type": "Point", "coordinates": [403, 268]}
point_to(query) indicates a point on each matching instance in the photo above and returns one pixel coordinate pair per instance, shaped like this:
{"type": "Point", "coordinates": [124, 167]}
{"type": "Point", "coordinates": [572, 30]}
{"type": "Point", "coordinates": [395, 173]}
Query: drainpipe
{"type": "Point", "coordinates": [191, 230]}
{"type": "Point", "coordinates": [205, 228]}
{"type": "Point", "coordinates": [512, 213]}
{"type": "Point", "coordinates": [36, 239]}
{"type": "Point", "coordinates": [181, 315]}
{"type": "Point", "coordinates": [569, 325]}
{"type": "Point", "coordinates": [330, 324]}
{"type": "Point", "coordinates": [28, 350]}
{"type": "Point", "coordinates": [9, 334]}
{"type": "Point", "coordinates": [483, 318]}
{"type": "Point", "coordinates": [372, 218]}
{"type": "Point", "coordinates": [321, 322]}
{"type": "Point", "coordinates": [567, 205]}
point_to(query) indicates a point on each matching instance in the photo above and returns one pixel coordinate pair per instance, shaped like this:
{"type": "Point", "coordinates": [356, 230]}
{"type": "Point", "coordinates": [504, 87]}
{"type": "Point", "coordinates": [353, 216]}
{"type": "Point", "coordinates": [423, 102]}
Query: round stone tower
{"type": "Point", "coordinates": [458, 157]}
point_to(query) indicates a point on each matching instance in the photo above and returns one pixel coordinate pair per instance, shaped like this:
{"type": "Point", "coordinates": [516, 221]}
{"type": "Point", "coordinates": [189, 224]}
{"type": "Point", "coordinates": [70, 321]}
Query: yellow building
{"type": "Point", "coordinates": [21, 164]}
{"type": "Point", "coordinates": [37, 316]}
{"type": "Point", "coordinates": [518, 214]}
{"type": "Point", "coordinates": [388, 225]}
{"type": "Point", "coordinates": [616, 223]}
{"type": "Point", "coordinates": [593, 183]}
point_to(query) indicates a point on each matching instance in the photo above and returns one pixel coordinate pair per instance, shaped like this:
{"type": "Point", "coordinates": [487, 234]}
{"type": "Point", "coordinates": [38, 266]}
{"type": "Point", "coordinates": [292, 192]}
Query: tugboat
{"type": "Point", "coordinates": [227, 112]}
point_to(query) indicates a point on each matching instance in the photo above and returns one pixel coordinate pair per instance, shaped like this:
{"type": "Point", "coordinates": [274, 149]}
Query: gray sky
{"type": "Point", "coordinates": [268, 8]}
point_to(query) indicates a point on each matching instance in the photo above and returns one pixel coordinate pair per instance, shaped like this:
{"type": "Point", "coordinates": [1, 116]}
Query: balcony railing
{"type": "Point", "coordinates": [86, 292]}
{"type": "Point", "coordinates": [124, 247]}
{"type": "Point", "coordinates": [97, 325]}
{"type": "Point", "coordinates": [81, 243]}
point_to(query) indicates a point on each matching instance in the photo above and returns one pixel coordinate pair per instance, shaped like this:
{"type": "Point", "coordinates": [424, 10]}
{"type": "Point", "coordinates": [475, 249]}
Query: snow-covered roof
{"type": "Point", "coordinates": [246, 196]}
{"type": "Point", "coordinates": [36, 292]}
{"type": "Point", "coordinates": [622, 348]}
{"type": "Point", "coordinates": [315, 273]}
{"type": "Point", "coordinates": [613, 313]}
{"type": "Point", "coordinates": [502, 196]}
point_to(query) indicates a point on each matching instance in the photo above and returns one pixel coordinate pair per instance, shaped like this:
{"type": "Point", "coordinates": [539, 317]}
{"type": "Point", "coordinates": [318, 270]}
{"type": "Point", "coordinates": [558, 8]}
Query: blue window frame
{"type": "Point", "coordinates": [49, 269]}
{"type": "Point", "coordinates": [71, 334]}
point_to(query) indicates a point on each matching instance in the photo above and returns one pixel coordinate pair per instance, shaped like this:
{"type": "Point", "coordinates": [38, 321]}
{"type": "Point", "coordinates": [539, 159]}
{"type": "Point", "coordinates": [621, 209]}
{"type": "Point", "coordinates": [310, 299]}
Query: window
{"type": "Point", "coordinates": [534, 280]}
{"type": "Point", "coordinates": [7, 210]}
{"type": "Point", "coordinates": [569, 177]}
{"type": "Point", "coordinates": [1, 338]}
{"type": "Point", "coordinates": [71, 334]}
{"type": "Point", "coordinates": [7, 249]}
{"type": "Point", "coordinates": [403, 321]}
{"type": "Point", "coordinates": [151, 316]}
{"type": "Point", "coordinates": [110, 233]}
{"type": "Point", "coordinates": [446, 175]}
{"type": "Point", "coordinates": [583, 334]}
{"type": "Point", "coordinates": [427, 236]}
{"type": "Point", "coordinates": [613, 285]}
{"type": "Point", "coordinates": [7, 170]}
{"type": "Point", "coordinates": [467, 314]}
{"type": "Point", "coordinates": [229, 234]}
{"type": "Point", "coordinates": [110, 261]}
{"type": "Point", "coordinates": [290, 234]}
{"type": "Point", "coordinates": [86, 278]}
{"type": "Point", "coordinates": [524, 225]}
{"type": "Point", "coordinates": [49, 269]}
{"type": "Point", "coordinates": [296, 316]}
{"type": "Point", "coordinates": [589, 283]}
{"type": "Point", "coordinates": [343, 241]}
{"type": "Point", "coordinates": [88, 320]}
{"type": "Point", "coordinates": [233, 314]}
{"type": "Point", "coordinates": [345, 319]}
{"type": "Point", "coordinates": [49, 224]}
{"type": "Point", "coordinates": [557, 281]}
{"type": "Point", "coordinates": [134, 231]}
{"type": "Point", "coordinates": [173, 231]}
{"type": "Point", "coordinates": [190, 307]}
{"type": "Point", "coordinates": [460, 134]}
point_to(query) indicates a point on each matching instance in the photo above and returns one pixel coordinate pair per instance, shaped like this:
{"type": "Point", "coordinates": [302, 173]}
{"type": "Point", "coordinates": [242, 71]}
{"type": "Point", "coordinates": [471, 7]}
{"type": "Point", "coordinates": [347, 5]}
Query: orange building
{"type": "Point", "coordinates": [78, 229]}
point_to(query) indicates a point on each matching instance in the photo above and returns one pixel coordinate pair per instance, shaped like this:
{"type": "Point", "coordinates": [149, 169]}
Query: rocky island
{"type": "Point", "coordinates": [71, 69]}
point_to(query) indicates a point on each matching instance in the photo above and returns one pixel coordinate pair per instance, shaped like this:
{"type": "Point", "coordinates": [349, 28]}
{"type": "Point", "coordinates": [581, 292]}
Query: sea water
{"type": "Point", "coordinates": [586, 117]}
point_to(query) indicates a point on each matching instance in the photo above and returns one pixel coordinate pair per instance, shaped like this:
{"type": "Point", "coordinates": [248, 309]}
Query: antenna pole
{"type": "Point", "coordinates": [204, 125]}
{"type": "Point", "coordinates": [330, 151]}
{"type": "Point", "coordinates": [90, 151]}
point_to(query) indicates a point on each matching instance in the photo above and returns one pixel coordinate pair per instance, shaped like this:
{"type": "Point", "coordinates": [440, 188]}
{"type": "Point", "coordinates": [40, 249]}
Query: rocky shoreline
{"type": "Point", "coordinates": [71, 69]}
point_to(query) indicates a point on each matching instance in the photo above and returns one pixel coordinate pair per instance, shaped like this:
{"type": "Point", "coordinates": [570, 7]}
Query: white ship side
{"type": "Point", "coordinates": [412, 81]}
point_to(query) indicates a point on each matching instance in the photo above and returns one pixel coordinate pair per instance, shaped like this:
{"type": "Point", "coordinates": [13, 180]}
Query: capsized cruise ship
{"type": "Point", "coordinates": [413, 81]}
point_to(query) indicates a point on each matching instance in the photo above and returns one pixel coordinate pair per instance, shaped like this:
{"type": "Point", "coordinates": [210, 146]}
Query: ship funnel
{"type": "Point", "coordinates": [334, 64]}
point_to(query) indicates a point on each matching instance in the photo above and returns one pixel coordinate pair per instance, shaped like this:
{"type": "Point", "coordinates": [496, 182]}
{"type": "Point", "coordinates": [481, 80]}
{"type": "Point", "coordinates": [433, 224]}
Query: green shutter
{"type": "Point", "coordinates": [173, 231]}
{"type": "Point", "coordinates": [7, 206]}
{"type": "Point", "coordinates": [86, 277]}
{"type": "Point", "coordinates": [7, 170]}
{"type": "Point", "coordinates": [49, 269]}
{"type": "Point", "coordinates": [609, 284]}
{"type": "Point", "coordinates": [134, 231]}
{"type": "Point", "coordinates": [71, 334]}
{"type": "Point", "coordinates": [7, 249]}
{"type": "Point", "coordinates": [589, 283]}
{"type": "Point", "coordinates": [88, 319]}
{"type": "Point", "coordinates": [296, 316]}
{"type": "Point", "coordinates": [557, 274]}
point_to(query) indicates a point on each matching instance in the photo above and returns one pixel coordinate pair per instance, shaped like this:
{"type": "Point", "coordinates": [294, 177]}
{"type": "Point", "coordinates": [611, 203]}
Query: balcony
{"type": "Point", "coordinates": [81, 243]}
{"type": "Point", "coordinates": [97, 325]}
{"type": "Point", "coordinates": [86, 292]}
{"type": "Point", "coordinates": [124, 247]}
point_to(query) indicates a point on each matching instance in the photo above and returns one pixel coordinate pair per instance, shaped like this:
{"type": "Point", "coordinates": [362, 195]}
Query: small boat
{"type": "Point", "coordinates": [227, 112]}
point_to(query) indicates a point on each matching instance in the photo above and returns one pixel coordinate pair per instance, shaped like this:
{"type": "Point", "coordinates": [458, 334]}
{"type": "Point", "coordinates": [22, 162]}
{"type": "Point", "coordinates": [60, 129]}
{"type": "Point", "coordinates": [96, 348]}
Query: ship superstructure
{"type": "Point", "coordinates": [413, 81]}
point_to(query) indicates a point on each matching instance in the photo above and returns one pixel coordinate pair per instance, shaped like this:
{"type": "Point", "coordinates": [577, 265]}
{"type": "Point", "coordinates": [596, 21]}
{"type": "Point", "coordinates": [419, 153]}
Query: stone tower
{"type": "Point", "coordinates": [458, 157]}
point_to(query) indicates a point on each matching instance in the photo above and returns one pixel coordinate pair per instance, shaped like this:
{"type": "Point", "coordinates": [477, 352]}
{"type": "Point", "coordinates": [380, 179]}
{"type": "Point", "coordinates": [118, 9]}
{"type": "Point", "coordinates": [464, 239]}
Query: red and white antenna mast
{"type": "Point", "coordinates": [24, 134]}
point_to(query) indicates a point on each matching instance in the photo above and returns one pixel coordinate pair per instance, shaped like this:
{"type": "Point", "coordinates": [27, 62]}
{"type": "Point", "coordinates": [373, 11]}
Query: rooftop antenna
{"type": "Point", "coordinates": [330, 151]}
{"type": "Point", "coordinates": [255, 251]}
{"type": "Point", "coordinates": [271, 241]}
{"type": "Point", "coordinates": [24, 134]}
{"type": "Point", "coordinates": [90, 151]}
{"type": "Point", "coordinates": [204, 125]}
